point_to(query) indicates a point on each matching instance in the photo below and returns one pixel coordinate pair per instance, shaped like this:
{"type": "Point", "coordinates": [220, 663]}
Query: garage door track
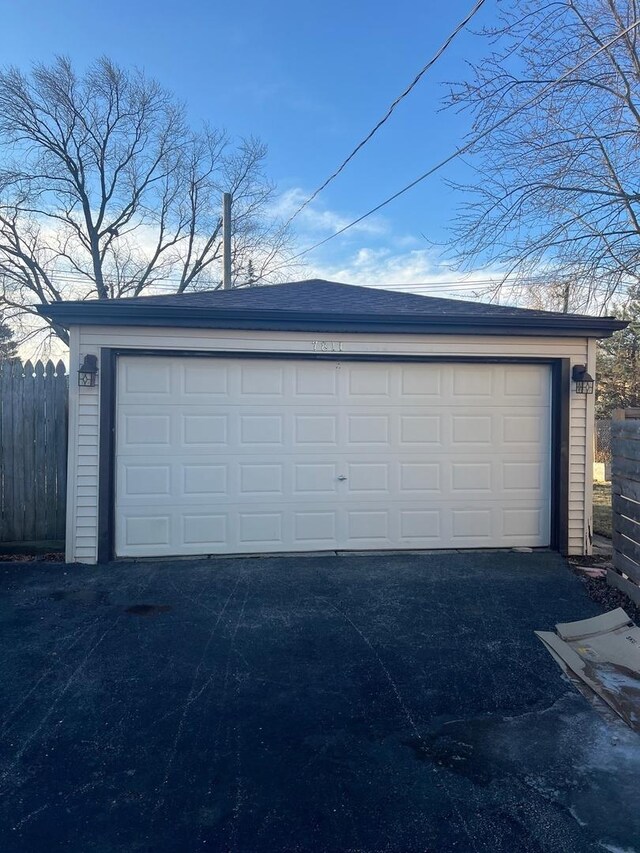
{"type": "Point", "coordinates": [329, 703]}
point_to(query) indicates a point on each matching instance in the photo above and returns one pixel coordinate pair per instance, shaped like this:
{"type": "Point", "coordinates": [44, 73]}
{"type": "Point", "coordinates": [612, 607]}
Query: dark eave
{"type": "Point", "coordinates": [322, 306]}
{"type": "Point", "coordinates": [127, 313]}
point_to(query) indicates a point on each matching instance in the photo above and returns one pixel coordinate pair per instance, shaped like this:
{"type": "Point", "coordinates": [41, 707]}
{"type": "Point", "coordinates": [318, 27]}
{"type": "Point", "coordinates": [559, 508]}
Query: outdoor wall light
{"type": "Point", "coordinates": [88, 373]}
{"type": "Point", "coordinates": [584, 382]}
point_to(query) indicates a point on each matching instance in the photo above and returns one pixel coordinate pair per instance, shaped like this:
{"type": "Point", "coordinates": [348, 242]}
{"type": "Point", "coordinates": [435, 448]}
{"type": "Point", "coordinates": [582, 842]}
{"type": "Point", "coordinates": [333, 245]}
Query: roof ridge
{"type": "Point", "coordinates": [318, 303]}
{"type": "Point", "coordinates": [473, 306]}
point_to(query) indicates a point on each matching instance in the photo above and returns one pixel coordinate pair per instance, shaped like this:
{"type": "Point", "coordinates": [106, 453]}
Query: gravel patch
{"type": "Point", "coordinates": [599, 590]}
{"type": "Point", "coordinates": [54, 557]}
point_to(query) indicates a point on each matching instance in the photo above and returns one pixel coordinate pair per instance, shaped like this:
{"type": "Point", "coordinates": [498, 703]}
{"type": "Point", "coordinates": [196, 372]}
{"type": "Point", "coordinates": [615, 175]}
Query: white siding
{"type": "Point", "coordinates": [84, 402]}
{"type": "Point", "coordinates": [589, 450]}
{"type": "Point", "coordinates": [82, 482]}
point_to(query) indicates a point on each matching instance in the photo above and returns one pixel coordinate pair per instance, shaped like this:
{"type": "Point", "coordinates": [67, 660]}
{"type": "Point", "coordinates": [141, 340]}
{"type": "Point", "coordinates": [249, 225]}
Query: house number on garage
{"type": "Point", "coordinates": [326, 346]}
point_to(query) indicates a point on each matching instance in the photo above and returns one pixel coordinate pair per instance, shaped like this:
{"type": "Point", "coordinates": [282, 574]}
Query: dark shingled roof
{"type": "Point", "coordinates": [325, 306]}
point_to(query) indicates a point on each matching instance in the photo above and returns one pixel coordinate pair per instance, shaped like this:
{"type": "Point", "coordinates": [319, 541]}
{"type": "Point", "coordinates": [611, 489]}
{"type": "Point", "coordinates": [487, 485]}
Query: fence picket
{"type": "Point", "coordinates": [627, 448]}
{"type": "Point", "coordinates": [33, 441]}
{"type": "Point", "coordinates": [61, 409]}
{"type": "Point", "coordinates": [40, 485]}
{"type": "Point", "coordinates": [50, 430]}
{"type": "Point", "coordinates": [6, 454]}
{"type": "Point", "coordinates": [625, 489]}
{"type": "Point", "coordinates": [17, 415]}
{"type": "Point", "coordinates": [628, 488]}
{"type": "Point", "coordinates": [28, 444]}
{"type": "Point", "coordinates": [628, 468]}
{"type": "Point", "coordinates": [626, 565]}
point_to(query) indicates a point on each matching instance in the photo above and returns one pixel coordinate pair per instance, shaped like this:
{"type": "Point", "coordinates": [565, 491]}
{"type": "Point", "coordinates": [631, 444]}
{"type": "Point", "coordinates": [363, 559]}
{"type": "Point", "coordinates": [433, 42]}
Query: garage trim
{"type": "Point", "coordinates": [560, 423]}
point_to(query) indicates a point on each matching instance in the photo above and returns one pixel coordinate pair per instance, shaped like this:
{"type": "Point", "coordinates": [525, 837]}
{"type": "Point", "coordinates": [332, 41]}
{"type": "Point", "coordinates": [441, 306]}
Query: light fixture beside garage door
{"type": "Point", "coordinates": [88, 372]}
{"type": "Point", "coordinates": [584, 382]}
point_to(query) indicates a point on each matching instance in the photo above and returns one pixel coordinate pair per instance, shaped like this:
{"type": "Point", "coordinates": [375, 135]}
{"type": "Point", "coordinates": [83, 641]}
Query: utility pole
{"type": "Point", "coordinates": [226, 241]}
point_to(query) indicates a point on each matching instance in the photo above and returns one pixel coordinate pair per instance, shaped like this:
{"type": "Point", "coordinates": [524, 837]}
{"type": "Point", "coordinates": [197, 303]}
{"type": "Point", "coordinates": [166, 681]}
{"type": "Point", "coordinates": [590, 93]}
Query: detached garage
{"type": "Point", "coordinates": [315, 416]}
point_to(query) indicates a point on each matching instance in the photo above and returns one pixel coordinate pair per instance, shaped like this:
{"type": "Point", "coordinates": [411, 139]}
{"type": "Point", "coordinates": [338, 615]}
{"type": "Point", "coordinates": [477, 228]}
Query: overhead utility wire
{"type": "Point", "coordinates": [464, 148]}
{"type": "Point", "coordinates": [388, 113]}
{"type": "Point", "coordinates": [437, 284]}
{"type": "Point", "coordinates": [440, 285]}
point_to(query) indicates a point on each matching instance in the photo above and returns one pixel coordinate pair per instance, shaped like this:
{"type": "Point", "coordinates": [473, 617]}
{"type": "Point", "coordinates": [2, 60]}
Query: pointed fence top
{"type": "Point", "coordinates": [14, 367]}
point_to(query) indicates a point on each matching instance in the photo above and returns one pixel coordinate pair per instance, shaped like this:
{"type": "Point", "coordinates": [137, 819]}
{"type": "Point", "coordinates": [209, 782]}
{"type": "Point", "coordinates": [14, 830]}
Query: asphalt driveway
{"type": "Point", "coordinates": [338, 703]}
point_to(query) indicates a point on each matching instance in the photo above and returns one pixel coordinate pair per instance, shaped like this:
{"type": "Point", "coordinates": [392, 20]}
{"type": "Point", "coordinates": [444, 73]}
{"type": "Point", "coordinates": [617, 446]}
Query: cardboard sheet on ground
{"type": "Point", "coordinates": [604, 653]}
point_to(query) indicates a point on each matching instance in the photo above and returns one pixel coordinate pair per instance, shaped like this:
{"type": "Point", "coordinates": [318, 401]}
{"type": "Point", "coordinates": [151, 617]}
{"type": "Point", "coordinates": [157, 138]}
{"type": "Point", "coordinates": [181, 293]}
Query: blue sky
{"type": "Point", "coordinates": [308, 79]}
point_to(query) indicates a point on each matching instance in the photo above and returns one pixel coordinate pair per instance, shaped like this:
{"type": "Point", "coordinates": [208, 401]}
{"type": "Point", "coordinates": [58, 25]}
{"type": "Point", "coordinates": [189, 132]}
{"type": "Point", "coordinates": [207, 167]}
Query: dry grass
{"type": "Point", "coordinates": [602, 509]}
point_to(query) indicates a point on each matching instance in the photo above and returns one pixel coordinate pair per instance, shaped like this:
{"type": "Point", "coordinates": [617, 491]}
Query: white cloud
{"type": "Point", "coordinates": [386, 258]}
{"type": "Point", "coordinates": [320, 221]}
{"type": "Point", "coordinates": [416, 270]}
{"type": "Point", "coordinates": [381, 266]}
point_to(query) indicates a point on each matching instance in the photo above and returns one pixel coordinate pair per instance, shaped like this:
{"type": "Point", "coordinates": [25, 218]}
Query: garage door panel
{"type": "Point", "coordinates": [521, 478]}
{"type": "Point", "coordinates": [314, 478]}
{"type": "Point", "coordinates": [305, 478]}
{"type": "Point", "coordinates": [260, 380]}
{"type": "Point", "coordinates": [203, 480]}
{"type": "Point", "coordinates": [199, 385]}
{"type": "Point", "coordinates": [415, 383]}
{"type": "Point", "coordinates": [316, 528]}
{"type": "Point", "coordinates": [368, 476]}
{"type": "Point", "coordinates": [144, 530]}
{"type": "Point", "coordinates": [422, 476]}
{"type": "Point", "coordinates": [472, 524]}
{"type": "Point", "coordinates": [368, 383]}
{"type": "Point", "coordinates": [476, 382]}
{"type": "Point", "coordinates": [261, 478]}
{"type": "Point", "coordinates": [141, 428]}
{"type": "Point", "coordinates": [202, 431]}
{"type": "Point", "coordinates": [523, 428]}
{"type": "Point", "coordinates": [369, 525]}
{"type": "Point", "coordinates": [261, 528]}
{"type": "Point", "coordinates": [525, 382]}
{"type": "Point", "coordinates": [419, 429]}
{"type": "Point", "coordinates": [244, 457]}
{"type": "Point", "coordinates": [418, 525]}
{"type": "Point", "coordinates": [261, 429]}
{"type": "Point", "coordinates": [152, 480]}
{"type": "Point", "coordinates": [472, 429]}
{"type": "Point", "coordinates": [522, 522]}
{"type": "Point", "coordinates": [367, 429]}
{"type": "Point", "coordinates": [314, 430]}
{"type": "Point", "coordinates": [205, 528]}
{"type": "Point", "coordinates": [316, 381]}
{"type": "Point", "coordinates": [472, 477]}
{"type": "Point", "coordinates": [240, 528]}
{"type": "Point", "coordinates": [403, 429]}
{"type": "Point", "coordinates": [145, 379]}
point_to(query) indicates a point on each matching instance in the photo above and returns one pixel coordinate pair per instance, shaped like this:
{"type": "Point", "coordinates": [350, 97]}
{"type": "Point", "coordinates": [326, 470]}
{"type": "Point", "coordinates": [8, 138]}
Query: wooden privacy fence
{"type": "Point", "coordinates": [33, 451]}
{"type": "Point", "coordinates": [625, 499]}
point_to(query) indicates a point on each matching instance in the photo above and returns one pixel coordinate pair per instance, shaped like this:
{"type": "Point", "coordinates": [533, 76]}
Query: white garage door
{"type": "Point", "coordinates": [239, 455]}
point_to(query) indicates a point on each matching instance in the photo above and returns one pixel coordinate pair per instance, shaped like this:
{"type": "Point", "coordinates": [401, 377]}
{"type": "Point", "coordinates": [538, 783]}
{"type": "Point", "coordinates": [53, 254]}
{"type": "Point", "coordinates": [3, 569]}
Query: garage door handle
{"type": "Point", "coordinates": [342, 477]}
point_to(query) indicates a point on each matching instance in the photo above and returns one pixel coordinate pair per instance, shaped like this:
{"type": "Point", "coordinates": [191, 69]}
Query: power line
{"type": "Point", "coordinates": [390, 110]}
{"type": "Point", "coordinates": [440, 285]}
{"type": "Point", "coordinates": [479, 285]}
{"type": "Point", "coordinates": [166, 283]}
{"type": "Point", "coordinates": [464, 148]}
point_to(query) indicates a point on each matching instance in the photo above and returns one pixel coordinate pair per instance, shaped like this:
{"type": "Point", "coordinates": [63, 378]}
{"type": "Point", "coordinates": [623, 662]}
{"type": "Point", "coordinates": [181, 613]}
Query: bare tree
{"type": "Point", "coordinates": [555, 199]}
{"type": "Point", "coordinates": [8, 347]}
{"type": "Point", "coordinates": [105, 191]}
